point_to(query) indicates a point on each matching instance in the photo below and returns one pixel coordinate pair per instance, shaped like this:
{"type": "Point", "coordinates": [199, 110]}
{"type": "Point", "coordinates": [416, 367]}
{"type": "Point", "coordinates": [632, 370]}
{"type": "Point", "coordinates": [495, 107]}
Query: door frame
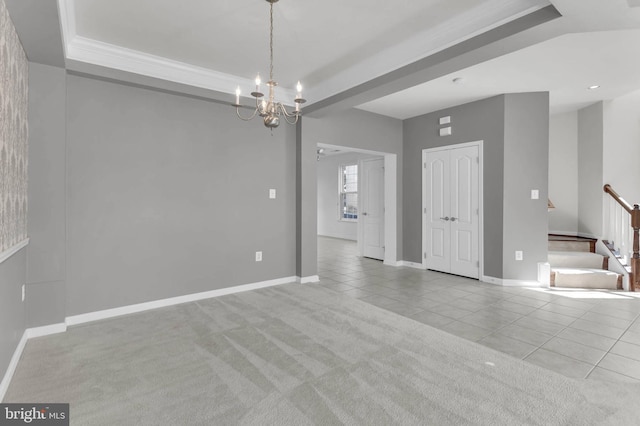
{"type": "Point", "coordinates": [480, 145]}
{"type": "Point", "coordinates": [390, 201]}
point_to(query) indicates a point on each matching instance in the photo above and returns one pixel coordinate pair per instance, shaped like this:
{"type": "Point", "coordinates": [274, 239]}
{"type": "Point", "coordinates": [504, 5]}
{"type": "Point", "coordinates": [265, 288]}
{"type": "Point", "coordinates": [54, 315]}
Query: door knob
{"type": "Point", "coordinates": [364, 213]}
{"type": "Point", "coordinates": [453, 219]}
{"type": "Point", "coordinates": [445, 218]}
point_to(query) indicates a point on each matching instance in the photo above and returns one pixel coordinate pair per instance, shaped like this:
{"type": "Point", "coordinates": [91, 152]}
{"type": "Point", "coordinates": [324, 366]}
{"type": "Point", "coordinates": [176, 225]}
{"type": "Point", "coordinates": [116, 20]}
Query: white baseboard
{"type": "Point", "coordinates": [28, 334]}
{"type": "Point", "coordinates": [46, 330]}
{"type": "Point", "coordinates": [309, 279]}
{"type": "Point", "coordinates": [511, 283]}
{"type": "Point", "coordinates": [411, 264]}
{"type": "Point", "coordinates": [140, 307]}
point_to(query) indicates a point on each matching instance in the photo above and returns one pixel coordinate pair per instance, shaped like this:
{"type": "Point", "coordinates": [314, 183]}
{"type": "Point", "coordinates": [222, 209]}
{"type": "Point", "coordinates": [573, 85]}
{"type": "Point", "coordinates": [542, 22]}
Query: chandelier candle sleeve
{"type": "Point", "coordinates": [270, 110]}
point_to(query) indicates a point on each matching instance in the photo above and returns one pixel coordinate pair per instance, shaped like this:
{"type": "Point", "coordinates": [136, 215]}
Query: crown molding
{"type": "Point", "coordinates": [478, 20]}
{"type": "Point", "coordinates": [83, 49]}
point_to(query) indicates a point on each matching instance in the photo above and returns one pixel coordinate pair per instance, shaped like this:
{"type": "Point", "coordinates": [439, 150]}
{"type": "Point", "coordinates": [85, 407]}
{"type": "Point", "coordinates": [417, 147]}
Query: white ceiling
{"type": "Point", "coordinates": [565, 66]}
{"type": "Point", "coordinates": [335, 45]}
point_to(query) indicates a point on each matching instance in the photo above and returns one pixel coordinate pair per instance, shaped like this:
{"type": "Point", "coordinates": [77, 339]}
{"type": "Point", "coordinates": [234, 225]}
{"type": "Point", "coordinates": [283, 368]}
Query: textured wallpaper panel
{"type": "Point", "coordinates": [13, 135]}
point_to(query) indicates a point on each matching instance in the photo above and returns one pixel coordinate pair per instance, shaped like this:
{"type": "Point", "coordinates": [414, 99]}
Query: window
{"type": "Point", "coordinates": [348, 192]}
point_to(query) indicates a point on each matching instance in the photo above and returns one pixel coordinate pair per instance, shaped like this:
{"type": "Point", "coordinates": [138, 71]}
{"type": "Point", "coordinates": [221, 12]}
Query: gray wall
{"type": "Point", "coordinates": [329, 223]}
{"type": "Point", "coordinates": [306, 206]}
{"type": "Point", "coordinates": [526, 167]}
{"type": "Point", "coordinates": [168, 195]}
{"type": "Point", "coordinates": [46, 271]}
{"type": "Point", "coordinates": [590, 152]}
{"type": "Point", "coordinates": [12, 310]}
{"type": "Point", "coordinates": [14, 183]}
{"type": "Point", "coordinates": [143, 195]}
{"type": "Point", "coordinates": [563, 173]}
{"type": "Point", "coordinates": [509, 125]}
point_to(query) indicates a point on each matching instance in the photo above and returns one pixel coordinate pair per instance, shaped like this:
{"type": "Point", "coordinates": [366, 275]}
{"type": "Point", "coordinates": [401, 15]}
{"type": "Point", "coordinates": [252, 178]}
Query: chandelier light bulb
{"type": "Point", "coordinates": [299, 88]}
{"type": "Point", "coordinates": [238, 95]}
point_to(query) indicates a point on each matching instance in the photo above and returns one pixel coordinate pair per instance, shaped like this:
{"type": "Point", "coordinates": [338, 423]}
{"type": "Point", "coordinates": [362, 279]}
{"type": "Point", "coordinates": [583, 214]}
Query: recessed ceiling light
{"type": "Point", "coordinates": [595, 86]}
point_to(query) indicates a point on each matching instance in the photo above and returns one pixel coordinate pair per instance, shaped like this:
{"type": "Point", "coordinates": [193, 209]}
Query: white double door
{"type": "Point", "coordinates": [451, 210]}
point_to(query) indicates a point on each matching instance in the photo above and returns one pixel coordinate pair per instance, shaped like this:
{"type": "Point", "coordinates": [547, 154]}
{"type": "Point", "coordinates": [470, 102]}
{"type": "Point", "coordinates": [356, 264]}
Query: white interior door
{"type": "Point", "coordinates": [372, 208]}
{"type": "Point", "coordinates": [452, 210]}
{"type": "Point", "coordinates": [464, 211]}
{"type": "Point", "coordinates": [438, 250]}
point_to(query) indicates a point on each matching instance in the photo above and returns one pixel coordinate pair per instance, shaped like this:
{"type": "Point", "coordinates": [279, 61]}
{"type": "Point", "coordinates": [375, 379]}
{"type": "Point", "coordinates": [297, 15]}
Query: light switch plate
{"type": "Point", "coordinates": [535, 194]}
{"type": "Point", "coordinates": [258, 256]}
{"type": "Point", "coordinates": [272, 194]}
{"type": "Point", "coordinates": [519, 255]}
{"type": "Point", "coordinates": [445, 120]}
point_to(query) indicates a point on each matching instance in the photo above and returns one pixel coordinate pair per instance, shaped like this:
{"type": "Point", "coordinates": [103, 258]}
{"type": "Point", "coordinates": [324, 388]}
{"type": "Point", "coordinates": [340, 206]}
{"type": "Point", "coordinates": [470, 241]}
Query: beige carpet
{"type": "Point", "coordinates": [296, 355]}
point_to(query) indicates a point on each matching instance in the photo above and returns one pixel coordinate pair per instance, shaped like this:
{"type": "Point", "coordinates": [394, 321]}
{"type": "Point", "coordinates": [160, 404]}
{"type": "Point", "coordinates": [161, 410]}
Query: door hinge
{"type": "Point", "coordinates": [425, 165]}
{"type": "Point", "coordinates": [425, 210]}
{"type": "Point", "coordinates": [424, 255]}
{"type": "Point", "coordinates": [478, 264]}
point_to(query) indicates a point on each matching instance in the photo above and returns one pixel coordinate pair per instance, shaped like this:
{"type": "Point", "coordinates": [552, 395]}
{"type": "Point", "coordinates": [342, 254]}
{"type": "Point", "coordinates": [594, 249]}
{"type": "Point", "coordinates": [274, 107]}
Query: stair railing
{"type": "Point", "coordinates": [623, 232]}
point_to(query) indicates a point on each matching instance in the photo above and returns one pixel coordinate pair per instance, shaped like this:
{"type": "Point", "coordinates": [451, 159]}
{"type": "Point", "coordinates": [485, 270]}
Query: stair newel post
{"type": "Point", "coordinates": [634, 282]}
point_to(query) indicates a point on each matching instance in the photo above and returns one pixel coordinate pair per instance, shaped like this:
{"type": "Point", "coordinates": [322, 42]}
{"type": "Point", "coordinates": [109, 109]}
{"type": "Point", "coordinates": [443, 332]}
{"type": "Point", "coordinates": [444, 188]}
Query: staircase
{"type": "Point", "coordinates": [575, 264]}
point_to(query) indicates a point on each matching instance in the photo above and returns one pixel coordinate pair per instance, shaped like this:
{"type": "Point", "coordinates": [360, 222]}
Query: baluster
{"type": "Point", "coordinates": [618, 236]}
{"type": "Point", "coordinates": [630, 240]}
{"type": "Point", "coordinates": [624, 235]}
{"type": "Point", "coordinates": [607, 219]}
{"type": "Point", "coordinates": [635, 263]}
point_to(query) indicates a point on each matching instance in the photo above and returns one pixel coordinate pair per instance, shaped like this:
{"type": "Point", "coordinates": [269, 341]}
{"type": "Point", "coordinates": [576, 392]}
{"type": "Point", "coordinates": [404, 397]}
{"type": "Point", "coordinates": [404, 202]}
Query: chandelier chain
{"type": "Point", "coordinates": [271, 42]}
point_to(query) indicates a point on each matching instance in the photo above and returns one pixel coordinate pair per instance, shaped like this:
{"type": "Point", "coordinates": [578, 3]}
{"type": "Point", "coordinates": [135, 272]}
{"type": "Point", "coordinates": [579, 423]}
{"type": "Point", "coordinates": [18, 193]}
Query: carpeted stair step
{"type": "Point", "coordinates": [577, 259]}
{"type": "Point", "coordinates": [585, 278]}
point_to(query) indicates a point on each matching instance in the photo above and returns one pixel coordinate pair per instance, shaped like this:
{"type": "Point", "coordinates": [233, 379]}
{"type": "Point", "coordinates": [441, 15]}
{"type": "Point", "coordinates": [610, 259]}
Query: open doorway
{"type": "Point", "coordinates": [357, 199]}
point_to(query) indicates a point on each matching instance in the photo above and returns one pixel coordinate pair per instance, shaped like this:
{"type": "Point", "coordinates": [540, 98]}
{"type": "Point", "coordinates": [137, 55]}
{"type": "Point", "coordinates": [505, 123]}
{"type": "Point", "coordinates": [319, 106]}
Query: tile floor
{"type": "Point", "coordinates": [581, 334]}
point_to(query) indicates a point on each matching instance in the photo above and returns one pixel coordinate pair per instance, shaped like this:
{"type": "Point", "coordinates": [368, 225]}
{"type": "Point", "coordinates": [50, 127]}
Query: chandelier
{"type": "Point", "coordinates": [269, 109]}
